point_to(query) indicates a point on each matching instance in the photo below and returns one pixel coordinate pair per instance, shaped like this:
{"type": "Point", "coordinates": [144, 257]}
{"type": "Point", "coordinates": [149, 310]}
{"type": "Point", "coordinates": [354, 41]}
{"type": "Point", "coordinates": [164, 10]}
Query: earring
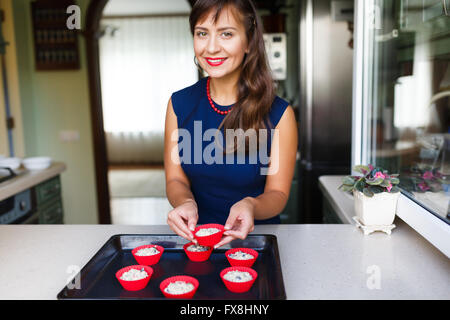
{"type": "Point", "coordinates": [197, 64]}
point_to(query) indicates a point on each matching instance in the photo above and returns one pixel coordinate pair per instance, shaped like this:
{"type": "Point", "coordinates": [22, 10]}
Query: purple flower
{"type": "Point", "coordinates": [389, 187]}
{"type": "Point", "coordinates": [371, 167]}
{"type": "Point", "coordinates": [379, 175]}
{"type": "Point", "coordinates": [423, 186]}
{"type": "Point", "coordinates": [428, 175]}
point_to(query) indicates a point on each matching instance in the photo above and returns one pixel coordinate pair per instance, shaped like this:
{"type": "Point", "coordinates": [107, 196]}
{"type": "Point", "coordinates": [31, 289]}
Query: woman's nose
{"type": "Point", "coordinates": [213, 45]}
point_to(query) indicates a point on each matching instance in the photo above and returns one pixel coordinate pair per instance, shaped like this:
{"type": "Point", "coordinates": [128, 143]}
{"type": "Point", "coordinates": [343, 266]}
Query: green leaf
{"type": "Point", "coordinates": [395, 180]}
{"type": "Point", "coordinates": [442, 181]}
{"type": "Point", "coordinates": [395, 190]}
{"type": "Point", "coordinates": [346, 188]}
{"type": "Point", "coordinates": [385, 183]}
{"type": "Point", "coordinates": [376, 189]}
{"type": "Point", "coordinates": [375, 182]}
{"type": "Point", "coordinates": [368, 193]}
{"type": "Point", "coordinates": [349, 181]}
{"type": "Point", "coordinates": [361, 169]}
{"type": "Point", "coordinates": [360, 185]}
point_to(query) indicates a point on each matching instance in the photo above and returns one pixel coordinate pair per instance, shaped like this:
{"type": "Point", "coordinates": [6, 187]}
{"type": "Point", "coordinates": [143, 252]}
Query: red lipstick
{"type": "Point", "coordinates": [215, 62]}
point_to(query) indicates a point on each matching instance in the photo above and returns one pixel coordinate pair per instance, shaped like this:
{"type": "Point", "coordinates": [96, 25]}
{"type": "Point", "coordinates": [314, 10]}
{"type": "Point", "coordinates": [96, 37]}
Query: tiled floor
{"type": "Point", "coordinates": [138, 195]}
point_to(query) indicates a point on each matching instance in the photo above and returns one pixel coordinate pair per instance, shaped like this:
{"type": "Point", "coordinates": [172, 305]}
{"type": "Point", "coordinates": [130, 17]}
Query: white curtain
{"type": "Point", "coordinates": [141, 63]}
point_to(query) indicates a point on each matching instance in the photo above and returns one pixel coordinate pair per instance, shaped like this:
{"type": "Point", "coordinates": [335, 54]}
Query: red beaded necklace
{"type": "Point", "coordinates": [211, 102]}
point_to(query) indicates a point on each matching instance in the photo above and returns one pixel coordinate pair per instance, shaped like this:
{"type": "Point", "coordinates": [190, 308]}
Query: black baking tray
{"type": "Point", "coordinates": [97, 278]}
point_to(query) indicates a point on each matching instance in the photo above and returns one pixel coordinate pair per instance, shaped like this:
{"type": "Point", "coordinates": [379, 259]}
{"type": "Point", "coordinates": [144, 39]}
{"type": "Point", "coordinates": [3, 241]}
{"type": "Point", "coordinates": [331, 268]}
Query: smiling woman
{"type": "Point", "coordinates": [238, 96]}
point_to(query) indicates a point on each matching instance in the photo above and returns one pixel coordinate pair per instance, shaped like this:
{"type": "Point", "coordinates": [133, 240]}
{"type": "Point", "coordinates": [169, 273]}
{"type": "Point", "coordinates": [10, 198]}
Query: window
{"type": "Point", "coordinates": [405, 97]}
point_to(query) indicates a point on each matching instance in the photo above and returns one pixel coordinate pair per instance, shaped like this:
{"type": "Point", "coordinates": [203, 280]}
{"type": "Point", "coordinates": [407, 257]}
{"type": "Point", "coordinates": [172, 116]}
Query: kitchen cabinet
{"type": "Point", "coordinates": [33, 197]}
{"type": "Point", "coordinates": [49, 201]}
{"type": "Point", "coordinates": [329, 216]}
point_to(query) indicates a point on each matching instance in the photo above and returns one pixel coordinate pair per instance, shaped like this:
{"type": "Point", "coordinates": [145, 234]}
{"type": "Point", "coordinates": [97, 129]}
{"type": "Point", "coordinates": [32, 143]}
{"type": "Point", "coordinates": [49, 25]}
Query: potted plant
{"type": "Point", "coordinates": [375, 193]}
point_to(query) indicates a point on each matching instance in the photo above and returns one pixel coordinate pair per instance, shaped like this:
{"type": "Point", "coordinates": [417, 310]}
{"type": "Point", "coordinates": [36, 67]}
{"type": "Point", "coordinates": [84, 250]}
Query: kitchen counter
{"type": "Point", "coordinates": [27, 179]}
{"type": "Point", "coordinates": [318, 261]}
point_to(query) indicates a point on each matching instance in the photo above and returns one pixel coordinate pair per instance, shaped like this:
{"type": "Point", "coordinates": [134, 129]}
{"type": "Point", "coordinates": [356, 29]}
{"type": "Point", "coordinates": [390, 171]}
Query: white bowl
{"type": "Point", "coordinates": [12, 163]}
{"type": "Point", "coordinates": [37, 163]}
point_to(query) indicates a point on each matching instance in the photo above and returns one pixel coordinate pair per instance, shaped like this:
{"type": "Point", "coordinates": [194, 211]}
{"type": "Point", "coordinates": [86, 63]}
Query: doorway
{"type": "Point", "coordinates": [132, 48]}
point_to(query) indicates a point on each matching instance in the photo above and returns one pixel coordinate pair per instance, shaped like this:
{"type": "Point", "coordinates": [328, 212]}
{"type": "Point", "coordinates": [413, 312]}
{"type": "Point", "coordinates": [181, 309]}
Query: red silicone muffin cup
{"type": "Point", "coordinates": [239, 287]}
{"type": "Point", "coordinates": [187, 295]}
{"type": "Point", "coordinates": [210, 240]}
{"type": "Point", "coordinates": [242, 263]}
{"type": "Point", "coordinates": [197, 256]}
{"type": "Point", "coordinates": [148, 260]}
{"type": "Point", "coordinates": [134, 285]}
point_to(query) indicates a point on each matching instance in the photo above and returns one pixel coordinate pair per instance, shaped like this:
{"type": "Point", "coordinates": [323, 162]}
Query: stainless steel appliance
{"type": "Point", "coordinates": [326, 67]}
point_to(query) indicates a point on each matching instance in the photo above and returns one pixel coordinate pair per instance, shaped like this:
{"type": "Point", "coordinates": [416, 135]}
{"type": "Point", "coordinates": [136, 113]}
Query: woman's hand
{"type": "Point", "coordinates": [240, 221]}
{"type": "Point", "coordinates": [183, 219]}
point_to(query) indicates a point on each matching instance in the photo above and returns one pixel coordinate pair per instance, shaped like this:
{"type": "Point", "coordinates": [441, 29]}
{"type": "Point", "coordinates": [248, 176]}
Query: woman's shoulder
{"type": "Point", "coordinates": [279, 106]}
{"type": "Point", "coordinates": [189, 91]}
{"type": "Point", "coordinates": [184, 99]}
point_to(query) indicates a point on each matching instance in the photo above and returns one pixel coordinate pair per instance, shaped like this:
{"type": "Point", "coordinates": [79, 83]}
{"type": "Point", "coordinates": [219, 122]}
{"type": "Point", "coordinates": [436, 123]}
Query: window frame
{"type": "Point", "coordinates": [423, 221]}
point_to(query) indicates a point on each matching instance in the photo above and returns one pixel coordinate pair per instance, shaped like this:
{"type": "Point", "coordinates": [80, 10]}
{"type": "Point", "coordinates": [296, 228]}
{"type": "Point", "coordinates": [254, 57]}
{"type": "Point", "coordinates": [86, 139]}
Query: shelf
{"type": "Point", "coordinates": [55, 46]}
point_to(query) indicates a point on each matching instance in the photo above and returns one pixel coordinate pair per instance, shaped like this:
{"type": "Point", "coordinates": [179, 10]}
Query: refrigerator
{"type": "Point", "coordinates": [325, 113]}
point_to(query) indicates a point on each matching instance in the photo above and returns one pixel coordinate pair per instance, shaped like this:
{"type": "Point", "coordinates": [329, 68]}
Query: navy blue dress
{"type": "Point", "coordinates": [218, 185]}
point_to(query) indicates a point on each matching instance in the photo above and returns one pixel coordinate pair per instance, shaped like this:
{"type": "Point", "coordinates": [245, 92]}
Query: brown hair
{"type": "Point", "coordinates": [256, 91]}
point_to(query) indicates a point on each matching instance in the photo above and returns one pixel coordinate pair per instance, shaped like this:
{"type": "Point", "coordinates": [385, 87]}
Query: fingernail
{"type": "Point", "coordinates": [227, 228]}
{"type": "Point", "coordinates": [192, 228]}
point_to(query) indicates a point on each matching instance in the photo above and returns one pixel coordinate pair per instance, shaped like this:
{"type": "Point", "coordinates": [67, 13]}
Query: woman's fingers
{"type": "Point", "coordinates": [224, 241]}
{"type": "Point", "coordinates": [180, 233]}
{"type": "Point", "coordinates": [179, 225]}
{"type": "Point", "coordinates": [192, 222]}
{"type": "Point", "coordinates": [237, 234]}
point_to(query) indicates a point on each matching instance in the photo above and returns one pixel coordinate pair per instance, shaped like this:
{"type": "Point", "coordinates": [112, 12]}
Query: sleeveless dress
{"type": "Point", "coordinates": [218, 184]}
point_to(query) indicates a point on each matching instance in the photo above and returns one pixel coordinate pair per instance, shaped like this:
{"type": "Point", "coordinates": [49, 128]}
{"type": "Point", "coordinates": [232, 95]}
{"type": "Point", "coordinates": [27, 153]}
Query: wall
{"type": "Point", "coordinates": [54, 101]}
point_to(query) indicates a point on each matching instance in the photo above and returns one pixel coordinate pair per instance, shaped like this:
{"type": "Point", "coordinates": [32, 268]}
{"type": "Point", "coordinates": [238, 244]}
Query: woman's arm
{"type": "Point", "coordinates": [183, 218]}
{"type": "Point", "coordinates": [281, 169]}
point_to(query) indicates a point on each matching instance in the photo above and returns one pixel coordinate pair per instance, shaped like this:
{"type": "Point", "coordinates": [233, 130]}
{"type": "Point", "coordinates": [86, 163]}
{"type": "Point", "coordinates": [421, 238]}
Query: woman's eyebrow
{"type": "Point", "coordinates": [220, 29]}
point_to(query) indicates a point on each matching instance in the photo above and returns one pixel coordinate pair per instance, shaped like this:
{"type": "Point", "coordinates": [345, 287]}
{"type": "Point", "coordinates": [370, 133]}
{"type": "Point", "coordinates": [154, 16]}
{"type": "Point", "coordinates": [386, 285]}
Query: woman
{"type": "Point", "coordinates": [238, 94]}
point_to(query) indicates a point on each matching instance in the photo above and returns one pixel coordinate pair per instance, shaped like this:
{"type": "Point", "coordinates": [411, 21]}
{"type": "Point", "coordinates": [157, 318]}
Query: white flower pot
{"type": "Point", "coordinates": [377, 210]}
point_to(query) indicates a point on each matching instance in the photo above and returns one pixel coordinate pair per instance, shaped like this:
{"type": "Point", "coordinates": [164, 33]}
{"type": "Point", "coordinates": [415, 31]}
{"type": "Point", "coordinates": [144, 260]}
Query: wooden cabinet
{"type": "Point", "coordinates": [49, 201]}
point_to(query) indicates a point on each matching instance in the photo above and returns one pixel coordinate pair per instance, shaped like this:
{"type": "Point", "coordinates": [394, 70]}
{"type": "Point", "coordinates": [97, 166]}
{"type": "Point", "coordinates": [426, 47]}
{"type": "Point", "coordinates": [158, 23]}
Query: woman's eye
{"type": "Point", "coordinates": [227, 34]}
{"type": "Point", "coordinates": [201, 34]}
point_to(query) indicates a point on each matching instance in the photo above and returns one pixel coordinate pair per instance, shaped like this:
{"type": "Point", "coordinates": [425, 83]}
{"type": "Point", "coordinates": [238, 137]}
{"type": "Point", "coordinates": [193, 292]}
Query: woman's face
{"type": "Point", "coordinates": [220, 47]}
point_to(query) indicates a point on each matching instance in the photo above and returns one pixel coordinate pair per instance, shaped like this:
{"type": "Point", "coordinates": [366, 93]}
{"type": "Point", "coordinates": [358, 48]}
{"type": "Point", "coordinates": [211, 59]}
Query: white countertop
{"type": "Point", "coordinates": [27, 179]}
{"type": "Point", "coordinates": [318, 261]}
